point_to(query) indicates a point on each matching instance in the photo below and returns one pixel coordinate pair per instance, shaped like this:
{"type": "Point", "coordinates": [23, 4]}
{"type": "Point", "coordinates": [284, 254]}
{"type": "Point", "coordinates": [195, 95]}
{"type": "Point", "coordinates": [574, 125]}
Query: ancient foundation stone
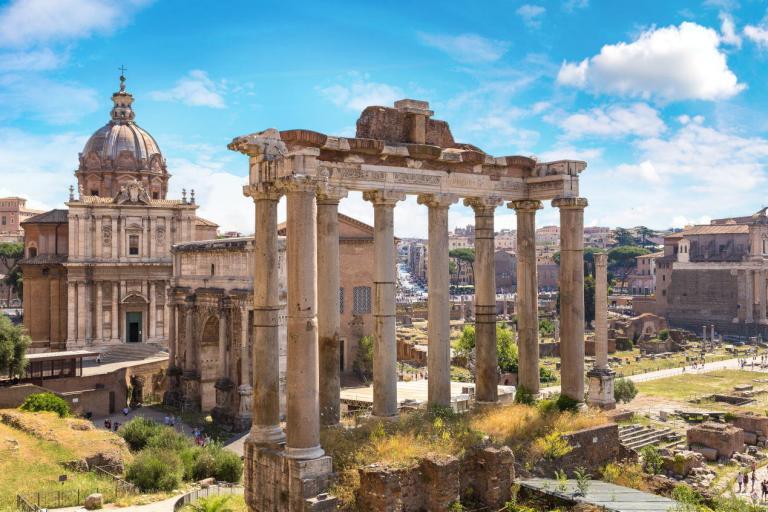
{"type": "Point", "coordinates": [725, 439]}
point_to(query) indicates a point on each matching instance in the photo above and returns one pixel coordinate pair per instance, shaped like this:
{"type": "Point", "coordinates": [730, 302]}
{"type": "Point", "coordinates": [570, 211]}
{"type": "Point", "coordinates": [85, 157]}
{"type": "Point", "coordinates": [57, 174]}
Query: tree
{"type": "Point", "coordinates": [622, 261]}
{"type": "Point", "coordinates": [10, 255]}
{"type": "Point", "coordinates": [465, 255]}
{"type": "Point", "coordinates": [644, 234]}
{"type": "Point", "coordinates": [624, 390]}
{"type": "Point", "coordinates": [13, 348]}
{"type": "Point", "coordinates": [623, 237]}
{"type": "Point", "coordinates": [505, 346]}
{"type": "Point", "coordinates": [363, 363]}
{"type": "Point", "coordinates": [589, 299]}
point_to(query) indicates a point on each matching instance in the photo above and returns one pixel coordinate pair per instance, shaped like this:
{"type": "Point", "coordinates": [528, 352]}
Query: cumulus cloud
{"type": "Point", "coordinates": [34, 60]}
{"type": "Point", "coordinates": [644, 170]}
{"type": "Point", "coordinates": [531, 14]}
{"type": "Point", "coordinates": [757, 34]}
{"type": "Point", "coordinates": [468, 48]}
{"type": "Point", "coordinates": [614, 121]}
{"type": "Point", "coordinates": [728, 30]}
{"type": "Point", "coordinates": [29, 22]}
{"type": "Point", "coordinates": [195, 89]}
{"type": "Point", "coordinates": [45, 100]}
{"type": "Point", "coordinates": [359, 91]}
{"type": "Point", "coordinates": [670, 63]}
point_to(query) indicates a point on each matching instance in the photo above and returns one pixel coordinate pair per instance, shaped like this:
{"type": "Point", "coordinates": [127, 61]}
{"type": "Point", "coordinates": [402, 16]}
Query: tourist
{"type": "Point", "coordinates": [126, 410]}
{"type": "Point", "coordinates": [746, 481]}
{"type": "Point", "coordinates": [764, 489]}
{"type": "Point", "coordinates": [166, 420]}
{"type": "Point", "coordinates": [740, 480]}
{"type": "Point", "coordinates": [98, 359]}
{"type": "Point", "coordinates": [107, 424]}
{"type": "Point", "coordinates": [115, 426]}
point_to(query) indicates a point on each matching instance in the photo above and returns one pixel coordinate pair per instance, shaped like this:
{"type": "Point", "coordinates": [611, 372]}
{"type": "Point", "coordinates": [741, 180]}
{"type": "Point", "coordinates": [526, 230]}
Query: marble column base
{"type": "Point", "coordinates": [601, 388]}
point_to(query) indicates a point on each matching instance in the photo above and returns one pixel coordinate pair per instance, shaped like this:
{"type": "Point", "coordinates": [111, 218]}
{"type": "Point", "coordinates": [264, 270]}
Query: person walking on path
{"type": "Point", "coordinates": [740, 480]}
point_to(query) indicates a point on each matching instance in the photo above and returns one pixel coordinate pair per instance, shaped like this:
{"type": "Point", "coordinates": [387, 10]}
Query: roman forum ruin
{"type": "Point", "coordinates": [396, 151]}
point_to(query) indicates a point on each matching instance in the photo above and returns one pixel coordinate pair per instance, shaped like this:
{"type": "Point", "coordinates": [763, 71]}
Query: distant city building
{"type": "Point", "coordinates": [642, 280]}
{"type": "Point", "coordinates": [506, 239]}
{"type": "Point", "coordinates": [506, 273]}
{"type": "Point", "coordinates": [14, 211]}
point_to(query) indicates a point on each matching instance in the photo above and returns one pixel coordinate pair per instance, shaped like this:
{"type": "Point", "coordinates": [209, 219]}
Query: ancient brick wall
{"type": "Point", "coordinates": [725, 439]}
{"type": "Point", "coordinates": [591, 448]}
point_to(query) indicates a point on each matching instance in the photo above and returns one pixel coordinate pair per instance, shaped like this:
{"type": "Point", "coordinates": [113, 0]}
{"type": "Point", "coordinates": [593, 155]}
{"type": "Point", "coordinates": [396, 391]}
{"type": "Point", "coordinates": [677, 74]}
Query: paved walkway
{"type": "Point", "coordinates": [748, 493]}
{"type": "Point", "coordinates": [158, 506]}
{"type": "Point", "coordinates": [601, 494]}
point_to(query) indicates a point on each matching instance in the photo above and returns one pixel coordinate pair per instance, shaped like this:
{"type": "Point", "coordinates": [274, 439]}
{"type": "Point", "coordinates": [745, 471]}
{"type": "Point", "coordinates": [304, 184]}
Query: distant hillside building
{"type": "Point", "coordinates": [14, 211]}
{"type": "Point", "coordinates": [716, 274]}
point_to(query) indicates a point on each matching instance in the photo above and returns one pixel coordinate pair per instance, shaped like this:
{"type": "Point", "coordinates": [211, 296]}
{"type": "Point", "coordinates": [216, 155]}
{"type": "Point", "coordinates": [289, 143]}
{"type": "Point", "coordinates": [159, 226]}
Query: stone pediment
{"type": "Point", "coordinates": [132, 192]}
{"type": "Point", "coordinates": [134, 298]}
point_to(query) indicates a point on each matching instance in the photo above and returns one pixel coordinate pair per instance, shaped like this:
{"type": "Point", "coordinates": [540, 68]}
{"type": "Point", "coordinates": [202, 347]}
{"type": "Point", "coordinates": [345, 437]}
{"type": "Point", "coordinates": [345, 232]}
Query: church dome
{"type": "Point", "coordinates": [122, 151]}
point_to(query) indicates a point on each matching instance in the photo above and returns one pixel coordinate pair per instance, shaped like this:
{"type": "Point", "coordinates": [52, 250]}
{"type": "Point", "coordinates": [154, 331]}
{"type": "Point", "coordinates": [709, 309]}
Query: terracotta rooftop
{"type": "Point", "coordinates": [717, 229]}
{"type": "Point", "coordinates": [49, 217]}
{"type": "Point", "coordinates": [199, 221]}
{"type": "Point", "coordinates": [654, 255]}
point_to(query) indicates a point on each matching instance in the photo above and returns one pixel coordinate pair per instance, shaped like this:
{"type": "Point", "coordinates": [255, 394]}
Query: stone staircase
{"type": "Point", "coordinates": [637, 437]}
{"type": "Point", "coordinates": [130, 352]}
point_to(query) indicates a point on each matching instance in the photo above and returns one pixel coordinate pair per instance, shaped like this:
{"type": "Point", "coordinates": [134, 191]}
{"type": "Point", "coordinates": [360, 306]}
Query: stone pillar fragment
{"type": "Point", "coordinates": [303, 414]}
{"type": "Point", "coordinates": [572, 295]}
{"type": "Point", "coordinates": [384, 279]}
{"type": "Point", "coordinates": [115, 319]}
{"type": "Point", "coordinates": [266, 351]}
{"type": "Point", "coordinates": [438, 303]}
{"type": "Point", "coordinates": [527, 295]}
{"type": "Point", "coordinates": [328, 309]}
{"type": "Point", "coordinates": [601, 377]}
{"type": "Point", "coordinates": [487, 379]}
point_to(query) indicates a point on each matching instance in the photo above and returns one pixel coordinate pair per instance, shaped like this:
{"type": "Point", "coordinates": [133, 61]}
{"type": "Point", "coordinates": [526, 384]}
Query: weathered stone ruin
{"type": "Point", "coordinates": [716, 441]}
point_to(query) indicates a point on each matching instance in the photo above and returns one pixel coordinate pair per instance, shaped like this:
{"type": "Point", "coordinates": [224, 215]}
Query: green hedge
{"type": "Point", "coordinates": [46, 402]}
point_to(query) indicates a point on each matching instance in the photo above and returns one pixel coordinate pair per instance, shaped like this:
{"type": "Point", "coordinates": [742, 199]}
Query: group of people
{"type": "Point", "coordinates": [747, 484]}
{"type": "Point", "coordinates": [200, 438]}
{"type": "Point", "coordinates": [111, 425]}
{"type": "Point", "coordinates": [169, 421]}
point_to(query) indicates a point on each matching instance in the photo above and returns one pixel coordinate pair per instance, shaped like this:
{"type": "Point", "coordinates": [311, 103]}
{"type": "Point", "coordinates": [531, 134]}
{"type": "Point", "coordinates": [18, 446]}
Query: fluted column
{"type": "Point", "coordinates": [328, 315]}
{"type": "Point", "coordinates": [245, 357]}
{"type": "Point", "coordinates": [384, 279]}
{"type": "Point", "coordinates": [601, 310]}
{"type": "Point", "coordinates": [190, 362]}
{"type": "Point", "coordinates": [572, 295]}
{"type": "Point", "coordinates": [762, 296]}
{"type": "Point", "coordinates": [99, 311]}
{"type": "Point", "coordinates": [749, 284]}
{"type": "Point", "coordinates": [487, 379]}
{"type": "Point", "coordinates": [303, 429]}
{"type": "Point", "coordinates": [527, 295]}
{"type": "Point", "coordinates": [152, 310]}
{"type": "Point", "coordinates": [172, 335]}
{"type": "Point", "coordinates": [438, 303]}
{"type": "Point", "coordinates": [265, 358]}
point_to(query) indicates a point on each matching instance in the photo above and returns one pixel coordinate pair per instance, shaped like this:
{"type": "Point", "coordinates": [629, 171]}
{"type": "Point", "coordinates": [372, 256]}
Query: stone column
{"type": "Point", "coordinates": [99, 311]}
{"type": "Point", "coordinates": [223, 370]}
{"type": "Point", "coordinates": [71, 313]}
{"type": "Point", "coordinates": [601, 376]}
{"type": "Point", "coordinates": [527, 295]}
{"type": "Point", "coordinates": [485, 299]}
{"type": "Point", "coordinates": [99, 238]}
{"type": "Point", "coordinates": [328, 315]}
{"type": "Point", "coordinates": [265, 358]}
{"type": "Point", "coordinates": [438, 303]}
{"type": "Point", "coordinates": [384, 280]}
{"type": "Point", "coordinates": [172, 335]}
{"type": "Point", "coordinates": [115, 310]}
{"type": "Point", "coordinates": [115, 237]}
{"type": "Point", "coordinates": [152, 310]}
{"type": "Point", "coordinates": [762, 296]}
{"type": "Point", "coordinates": [749, 286]}
{"type": "Point", "coordinates": [245, 389]}
{"type": "Point", "coordinates": [190, 363]}
{"type": "Point", "coordinates": [741, 293]}
{"type": "Point", "coordinates": [572, 295]}
{"type": "Point", "coordinates": [303, 421]}
{"type": "Point", "coordinates": [81, 313]}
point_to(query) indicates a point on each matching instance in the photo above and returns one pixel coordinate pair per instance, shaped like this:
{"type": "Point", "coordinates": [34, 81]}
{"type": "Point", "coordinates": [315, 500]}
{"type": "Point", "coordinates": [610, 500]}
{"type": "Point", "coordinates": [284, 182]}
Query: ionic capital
{"type": "Point", "coordinates": [437, 200]}
{"type": "Point", "coordinates": [525, 205]}
{"type": "Point", "coordinates": [483, 205]}
{"type": "Point", "coordinates": [383, 197]}
{"type": "Point", "coordinates": [262, 192]}
{"type": "Point", "coordinates": [329, 194]}
{"type": "Point", "coordinates": [570, 203]}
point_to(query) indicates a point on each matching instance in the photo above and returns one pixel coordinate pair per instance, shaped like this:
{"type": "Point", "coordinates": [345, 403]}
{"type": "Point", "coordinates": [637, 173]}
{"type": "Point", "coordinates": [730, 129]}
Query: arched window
{"type": "Point", "coordinates": [32, 252]}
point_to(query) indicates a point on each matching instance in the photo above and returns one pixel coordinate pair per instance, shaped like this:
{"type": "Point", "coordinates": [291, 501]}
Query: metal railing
{"type": "Point", "coordinates": [24, 506]}
{"type": "Point", "coordinates": [121, 485]}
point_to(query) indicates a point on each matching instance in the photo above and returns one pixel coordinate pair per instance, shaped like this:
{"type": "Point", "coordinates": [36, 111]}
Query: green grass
{"type": "Point", "coordinates": [690, 386]}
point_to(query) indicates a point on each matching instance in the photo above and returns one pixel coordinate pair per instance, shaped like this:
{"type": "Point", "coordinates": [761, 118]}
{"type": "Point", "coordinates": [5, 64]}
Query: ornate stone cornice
{"type": "Point", "coordinates": [297, 184]}
{"type": "Point", "coordinates": [570, 203]}
{"type": "Point", "coordinates": [525, 205]}
{"type": "Point", "coordinates": [483, 204]}
{"type": "Point", "coordinates": [437, 200]}
{"type": "Point", "coordinates": [329, 194]}
{"type": "Point", "coordinates": [383, 197]}
{"type": "Point", "coordinates": [265, 144]}
{"type": "Point", "coordinates": [262, 192]}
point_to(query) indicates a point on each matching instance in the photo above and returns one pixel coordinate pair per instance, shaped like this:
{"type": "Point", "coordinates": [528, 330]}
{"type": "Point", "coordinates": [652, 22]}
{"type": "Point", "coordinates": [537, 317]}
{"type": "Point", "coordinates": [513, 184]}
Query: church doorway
{"type": "Point", "coordinates": [133, 327]}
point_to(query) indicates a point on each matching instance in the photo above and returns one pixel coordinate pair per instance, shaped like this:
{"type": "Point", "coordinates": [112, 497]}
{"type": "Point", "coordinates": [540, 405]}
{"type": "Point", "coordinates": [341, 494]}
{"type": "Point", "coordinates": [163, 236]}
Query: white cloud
{"type": "Point", "coordinates": [45, 100]}
{"type": "Point", "coordinates": [671, 63]}
{"type": "Point", "coordinates": [359, 92]}
{"type": "Point", "coordinates": [757, 34]}
{"type": "Point", "coordinates": [728, 30]}
{"type": "Point", "coordinates": [29, 22]}
{"type": "Point", "coordinates": [568, 152]}
{"type": "Point", "coordinates": [195, 89]}
{"type": "Point", "coordinates": [39, 167]}
{"type": "Point", "coordinates": [572, 5]}
{"type": "Point", "coordinates": [500, 130]}
{"type": "Point", "coordinates": [33, 60]}
{"type": "Point", "coordinates": [644, 170]}
{"type": "Point", "coordinates": [614, 121]}
{"type": "Point", "coordinates": [469, 48]}
{"type": "Point", "coordinates": [531, 14]}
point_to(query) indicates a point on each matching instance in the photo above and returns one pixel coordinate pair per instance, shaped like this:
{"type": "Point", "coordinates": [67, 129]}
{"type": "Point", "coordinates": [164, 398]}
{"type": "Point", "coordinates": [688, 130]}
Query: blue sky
{"type": "Point", "coordinates": [665, 100]}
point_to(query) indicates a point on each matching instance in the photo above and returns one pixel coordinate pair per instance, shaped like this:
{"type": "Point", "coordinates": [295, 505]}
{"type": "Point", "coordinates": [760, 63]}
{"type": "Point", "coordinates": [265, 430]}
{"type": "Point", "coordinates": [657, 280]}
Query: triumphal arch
{"type": "Point", "coordinates": [396, 151]}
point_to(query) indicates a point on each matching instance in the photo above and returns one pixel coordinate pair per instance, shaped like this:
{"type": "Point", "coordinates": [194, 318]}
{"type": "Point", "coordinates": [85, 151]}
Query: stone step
{"type": "Point", "coordinates": [644, 434]}
{"type": "Point", "coordinates": [646, 441]}
{"type": "Point", "coordinates": [130, 352]}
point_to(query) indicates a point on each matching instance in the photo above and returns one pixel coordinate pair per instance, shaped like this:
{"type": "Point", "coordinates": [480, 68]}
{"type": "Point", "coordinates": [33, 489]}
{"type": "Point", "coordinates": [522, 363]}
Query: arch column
{"type": "Point", "coordinates": [572, 295]}
{"type": "Point", "coordinates": [328, 315]}
{"type": "Point", "coordinates": [485, 299]}
{"type": "Point", "coordinates": [303, 421]}
{"type": "Point", "coordinates": [265, 428]}
{"type": "Point", "coordinates": [527, 295]}
{"type": "Point", "coordinates": [438, 301]}
{"type": "Point", "coordinates": [384, 279]}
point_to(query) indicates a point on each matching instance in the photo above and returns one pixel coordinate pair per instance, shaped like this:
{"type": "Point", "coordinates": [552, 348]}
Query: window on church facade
{"type": "Point", "coordinates": [361, 297]}
{"type": "Point", "coordinates": [133, 245]}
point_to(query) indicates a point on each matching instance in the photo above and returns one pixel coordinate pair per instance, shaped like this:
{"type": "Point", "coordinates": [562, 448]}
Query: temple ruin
{"type": "Point", "coordinates": [396, 151]}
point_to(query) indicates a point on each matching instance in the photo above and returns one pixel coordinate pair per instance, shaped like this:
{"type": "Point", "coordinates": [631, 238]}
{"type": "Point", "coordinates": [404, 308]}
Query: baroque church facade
{"type": "Point", "coordinates": [97, 273]}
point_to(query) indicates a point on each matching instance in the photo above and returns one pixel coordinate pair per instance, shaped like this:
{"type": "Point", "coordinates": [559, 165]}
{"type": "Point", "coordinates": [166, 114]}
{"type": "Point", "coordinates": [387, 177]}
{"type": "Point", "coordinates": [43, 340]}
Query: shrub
{"type": "Point", "coordinates": [203, 465]}
{"type": "Point", "coordinates": [228, 466]}
{"type": "Point", "coordinates": [553, 446]}
{"type": "Point", "coordinates": [13, 346]}
{"type": "Point", "coordinates": [212, 504]}
{"type": "Point", "coordinates": [363, 363]}
{"type": "Point", "coordinates": [138, 431]}
{"type": "Point", "coordinates": [166, 438]}
{"type": "Point", "coordinates": [653, 462]}
{"type": "Point", "coordinates": [624, 390]}
{"type": "Point", "coordinates": [566, 403]}
{"type": "Point", "coordinates": [663, 334]}
{"type": "Point", "coordinates": [46, 402]}
{"type": "Point", "coordinates": [155, 470]}
{"type": "Point", "coordinates": [523, 396]}
{"type": "Point", "coordinates": [546, 375]}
